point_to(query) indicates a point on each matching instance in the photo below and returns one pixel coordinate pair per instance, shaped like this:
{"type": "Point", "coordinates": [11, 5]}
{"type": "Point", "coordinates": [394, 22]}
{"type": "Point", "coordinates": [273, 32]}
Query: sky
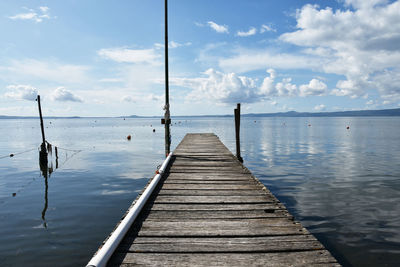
{"type": "Point", "coordinates": [106, 58]}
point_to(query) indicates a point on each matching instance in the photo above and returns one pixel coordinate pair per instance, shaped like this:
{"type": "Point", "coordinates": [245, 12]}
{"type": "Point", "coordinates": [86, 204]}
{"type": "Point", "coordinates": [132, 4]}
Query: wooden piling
{"type": "Point", "coordinates": [43, 152]}
{"type": "Point", "coordinates": [237, 132]}
{"type": "Point", "coordinates": [41, 121]}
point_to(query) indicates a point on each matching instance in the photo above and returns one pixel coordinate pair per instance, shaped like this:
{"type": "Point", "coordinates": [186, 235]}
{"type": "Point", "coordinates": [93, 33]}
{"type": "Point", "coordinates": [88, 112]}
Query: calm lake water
{"type": "Point", "coordinates": [342, 184]}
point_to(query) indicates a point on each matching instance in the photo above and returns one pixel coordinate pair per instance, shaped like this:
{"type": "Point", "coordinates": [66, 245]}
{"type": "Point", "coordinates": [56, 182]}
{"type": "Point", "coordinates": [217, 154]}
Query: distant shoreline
{"type": "Point", "coordinates": [357, 113]}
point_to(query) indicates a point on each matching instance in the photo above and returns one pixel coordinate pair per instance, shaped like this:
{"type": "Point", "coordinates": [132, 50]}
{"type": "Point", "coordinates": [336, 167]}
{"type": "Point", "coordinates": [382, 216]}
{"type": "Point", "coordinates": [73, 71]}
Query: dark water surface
{"type": "Point", "coordinates": [342, 184]}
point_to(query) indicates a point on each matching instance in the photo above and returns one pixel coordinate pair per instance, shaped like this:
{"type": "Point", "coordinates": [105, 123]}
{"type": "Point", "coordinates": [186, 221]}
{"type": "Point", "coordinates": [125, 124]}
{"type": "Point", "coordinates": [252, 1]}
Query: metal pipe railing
{"type": "Point", "coordinates": [102, 256]}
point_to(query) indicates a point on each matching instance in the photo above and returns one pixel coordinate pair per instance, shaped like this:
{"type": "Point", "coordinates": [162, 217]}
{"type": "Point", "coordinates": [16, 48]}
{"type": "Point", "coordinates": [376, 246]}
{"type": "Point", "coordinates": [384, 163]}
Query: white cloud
{"type": "Point", "coordinates": [111, 80]}
{"type": "Point", "coordinates": [370, 102]}
{"type": "Point", "coordinates": [171, 45]}
{"type": "Point", "coordinates": [128, 98]}
{"type": "Point", "coordinates": [359, 43]}
{"type": "Point", "coordinates": [314, 87]}
{"type": "Point", "coordinates": [125, 55]}
{"type": "Point", "coordinates": [218, 28]}
{"type": "Point", "coordinates": [63, 95]}
{"type": "Point", "coordinates": [29, 69]}
{"type": "Point", "coordinates": [232, 88]}
{"type": "Point", "coordinates": [25, 16]}
{"type": "Point", "coordinates": [267, 28]}
{"type": "Point", "coordinates": [251, 31]}
{"type": "Point", "coordinates": [364, 3]}
{"type": "Point", "coordinates": [388, 83]}
{"type": "Point", "coordinates": [286, 88]}
{"type": "Point", "coordinates": [22, 92]}
{"type": "Point", "coordinates": [268, 87]}
{"type": "Point", "coordinates": [320, 107]}
{"type": "Point", "coordinates": [220, 87]}
{"type": "Point", "coordinates": [352, 88]}
{"type": "Point", "coordinates": [34, 15]}
{"type": "Point", "coordinates": [44, 9]}
{"type": "Point", "coordinates": [156, 98]}
{"type": "Point", "coordinates": [246, 60]}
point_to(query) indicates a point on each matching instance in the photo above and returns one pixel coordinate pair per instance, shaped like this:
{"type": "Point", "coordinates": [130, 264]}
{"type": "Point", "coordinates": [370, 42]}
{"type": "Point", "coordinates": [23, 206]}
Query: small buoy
{"type": "Point", "coordinates": [309, 125]}
{"type": "Point", "coordinates": [11, 155]}
{"type": "Point", "coordinates": [128, 137]}
{"type": "Point", "coordinates": [154, 130]}
{"type": "Point", "coordinates": [348, 127]}
{"type": "Point", "coordinates": [255, 121]}
{"type": "Point", "coordinates": [151, 125]}
{"type": "Point", "coordinates": [14, 194]}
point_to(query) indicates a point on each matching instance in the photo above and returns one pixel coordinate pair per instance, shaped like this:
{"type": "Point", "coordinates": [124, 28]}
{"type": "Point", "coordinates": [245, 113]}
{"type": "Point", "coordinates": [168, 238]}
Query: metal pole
{"type": "Point", "coordinates": [167, 118]}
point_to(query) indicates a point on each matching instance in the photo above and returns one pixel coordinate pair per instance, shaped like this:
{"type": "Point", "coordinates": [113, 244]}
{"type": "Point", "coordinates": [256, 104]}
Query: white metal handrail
{"type": "Point", "coordinates": [102, 256]}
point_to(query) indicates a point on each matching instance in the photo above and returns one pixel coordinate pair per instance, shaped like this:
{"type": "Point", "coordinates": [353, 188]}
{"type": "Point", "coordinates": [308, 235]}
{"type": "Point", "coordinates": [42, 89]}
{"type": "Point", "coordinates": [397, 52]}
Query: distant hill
{"type": "Point", "coordinates": [356, 113]}
{"type": "Point", "coordinates": [130, 116]}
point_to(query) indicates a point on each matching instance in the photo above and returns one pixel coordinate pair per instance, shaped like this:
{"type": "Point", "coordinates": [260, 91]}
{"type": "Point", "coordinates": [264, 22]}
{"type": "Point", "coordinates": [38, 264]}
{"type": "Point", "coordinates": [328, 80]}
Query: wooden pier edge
{"type": "Point", "coordinates": [210, 210]}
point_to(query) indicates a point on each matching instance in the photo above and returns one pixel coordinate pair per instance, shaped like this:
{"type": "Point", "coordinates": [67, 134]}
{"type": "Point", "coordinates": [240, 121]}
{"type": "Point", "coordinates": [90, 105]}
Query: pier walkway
{"type": "Point", "coordinates": [208, 210]}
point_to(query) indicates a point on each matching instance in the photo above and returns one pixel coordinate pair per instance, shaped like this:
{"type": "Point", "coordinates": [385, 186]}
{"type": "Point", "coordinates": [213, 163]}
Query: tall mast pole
{"type": "Point", "coordinates": [167, 118]}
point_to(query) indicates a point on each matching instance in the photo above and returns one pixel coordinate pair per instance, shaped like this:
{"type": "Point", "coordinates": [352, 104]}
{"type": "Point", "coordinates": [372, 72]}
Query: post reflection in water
{"type": "Point", "coordinates": [46, 168]}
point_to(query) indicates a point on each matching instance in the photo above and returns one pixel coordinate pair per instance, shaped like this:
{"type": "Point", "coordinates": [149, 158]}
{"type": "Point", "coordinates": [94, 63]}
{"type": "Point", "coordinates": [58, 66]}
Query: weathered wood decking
{"type": "Point", "coordinates": [210, 211]}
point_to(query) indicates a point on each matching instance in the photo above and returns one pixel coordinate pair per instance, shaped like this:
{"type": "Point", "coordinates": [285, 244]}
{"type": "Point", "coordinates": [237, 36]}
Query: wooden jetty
{"type": "Point", "coordinates": [208, 210]}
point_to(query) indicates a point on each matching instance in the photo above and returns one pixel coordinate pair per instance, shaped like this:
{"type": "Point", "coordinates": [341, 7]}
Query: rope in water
{"type": "Point", "coordinates": [29, 150]}
{"type": "Point", "coordinates": [18, 153]}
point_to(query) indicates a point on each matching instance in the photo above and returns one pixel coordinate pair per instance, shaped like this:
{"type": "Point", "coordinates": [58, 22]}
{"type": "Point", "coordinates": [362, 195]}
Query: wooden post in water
{"type": "Point", "coordinates": [237, 131]}
{"type": "Point", "coordinates": [43, 151]}
{"type": "Point", "coordinates": [56, 150]}
{"type": "Point", "coordinates": [167, 118]}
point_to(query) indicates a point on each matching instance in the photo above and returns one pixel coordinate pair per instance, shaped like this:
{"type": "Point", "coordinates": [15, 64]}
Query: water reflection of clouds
{"type": "Point", "coordinates": [348, 188]}
{"type": "Point", "coordinates": [342, 183]}
{"type": "Point", "coordinates": [115, 192]}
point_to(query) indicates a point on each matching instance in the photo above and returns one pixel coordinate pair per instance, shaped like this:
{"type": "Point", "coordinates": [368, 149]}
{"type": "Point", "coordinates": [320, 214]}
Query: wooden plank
{"type": "Point", "coordinates": [182, 215]}
{"type": "Point", "coordinates": [245, 227]}
{"type": "Point", "coordinates": [211, 199]}
{"type": "Point", "coordinates": [210, 176]}
{"type": "Point", "coordinates": [212, 192]}
{"type": "Point", "coordinates": [201, 163]}
{"type": "Point", "coordinates": [200, 230]}
{"type": "Point", "coordinates": [211, 179]}
{"type": "Point", "coordinates": [302, 258]}
{"type": "Point", "coordinates": [211, 207]}
{"type": "Point", "coordinates": [225, 171]}
{"type": "Point", "coordinates": [207, 181]}
{"type": "Point", "coordinates": [223, 224]}
{"type": "Point", "coordinates": [221, 245]}
{"type": "Point", "coordinates": [252, 241]}
{"type": "Point", "coordinates": [212, 186]}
